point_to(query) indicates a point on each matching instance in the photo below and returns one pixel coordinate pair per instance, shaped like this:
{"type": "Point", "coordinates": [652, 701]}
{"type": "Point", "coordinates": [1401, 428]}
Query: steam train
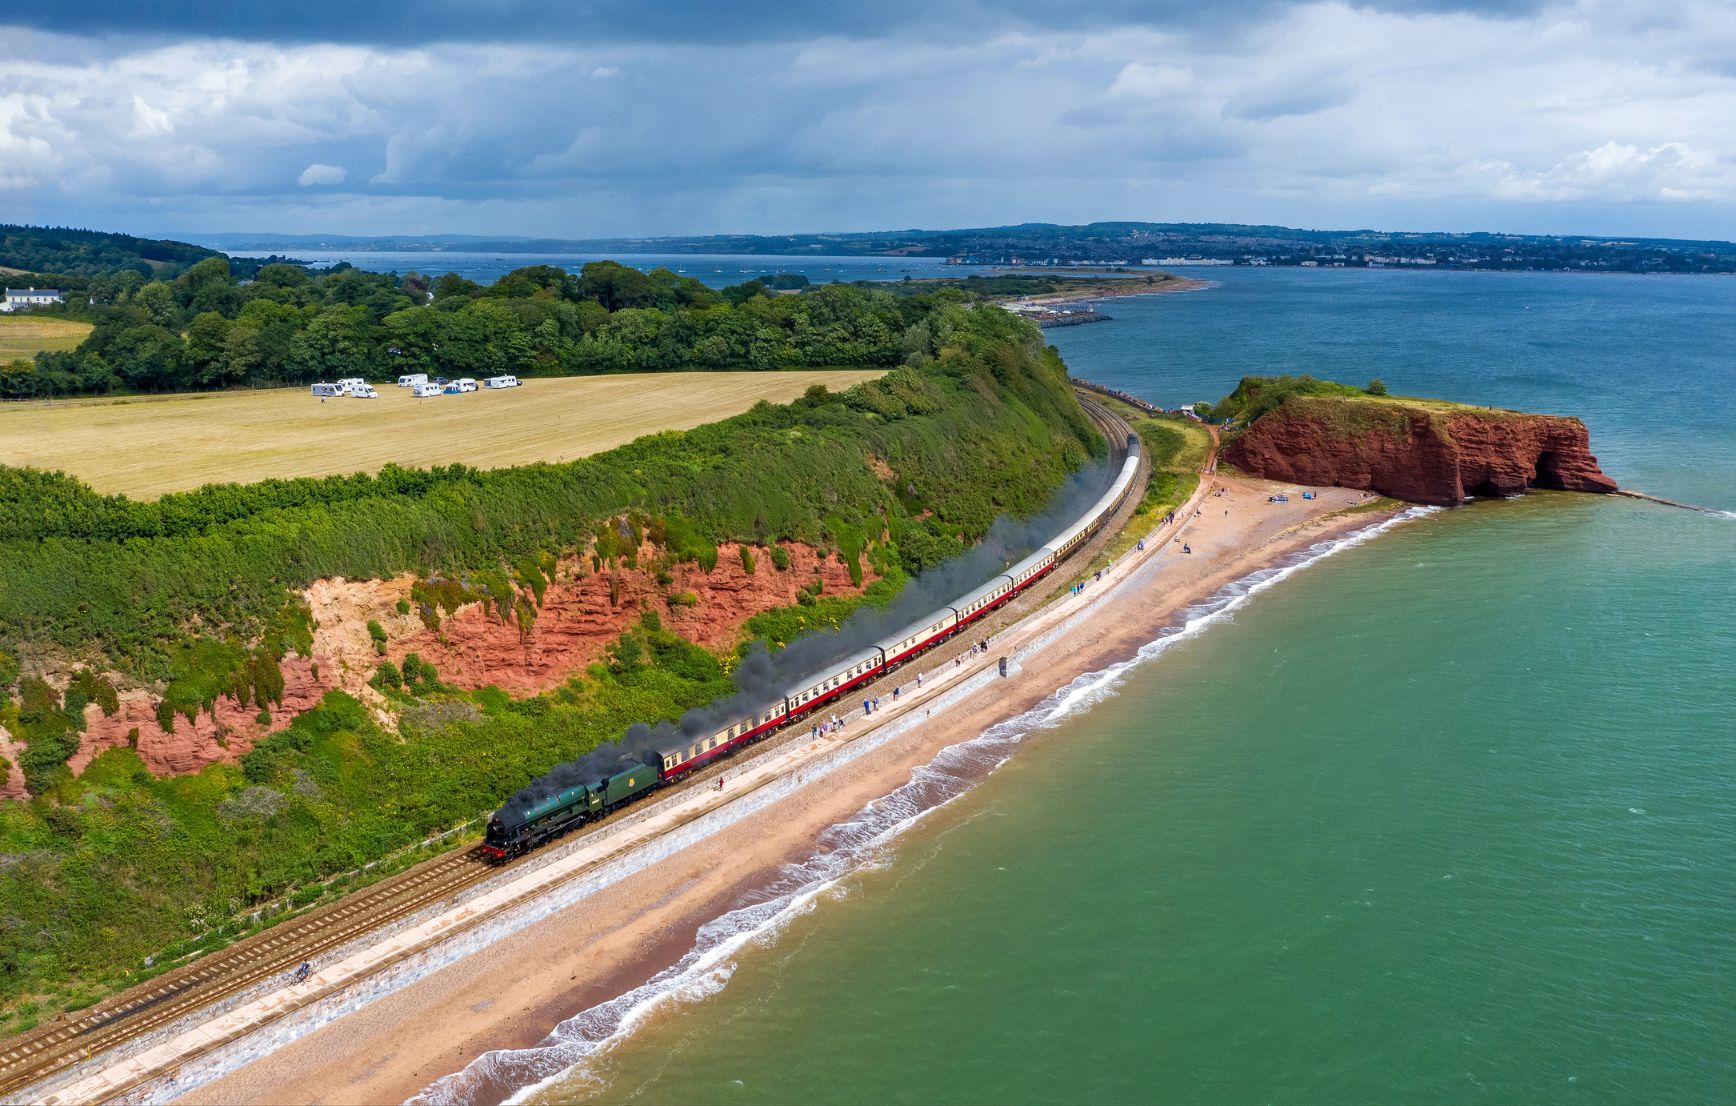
{"type": "Point", "coordinates": [515, 830]}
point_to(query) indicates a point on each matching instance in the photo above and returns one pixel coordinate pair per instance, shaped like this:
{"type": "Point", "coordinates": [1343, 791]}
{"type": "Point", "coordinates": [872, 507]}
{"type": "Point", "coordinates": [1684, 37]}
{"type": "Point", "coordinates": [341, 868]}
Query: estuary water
{"type": "Point", "coordinates": [1446, 816]}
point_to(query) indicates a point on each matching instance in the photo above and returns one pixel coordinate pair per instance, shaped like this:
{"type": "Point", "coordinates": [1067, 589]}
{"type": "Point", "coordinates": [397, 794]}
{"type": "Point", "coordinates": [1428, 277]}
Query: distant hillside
{"type": "Point", "coordinates": [92, 252]}
{"type": "Point", "coordinates": [1109, 243]}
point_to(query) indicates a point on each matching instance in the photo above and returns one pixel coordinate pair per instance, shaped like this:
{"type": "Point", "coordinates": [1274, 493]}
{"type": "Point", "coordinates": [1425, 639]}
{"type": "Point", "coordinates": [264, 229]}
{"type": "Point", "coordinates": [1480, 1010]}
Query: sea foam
{"type": "Point", "coordinates": [859, 844]}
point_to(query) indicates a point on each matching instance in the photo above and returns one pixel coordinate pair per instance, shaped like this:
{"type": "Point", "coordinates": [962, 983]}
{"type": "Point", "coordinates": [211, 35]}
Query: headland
{"type": "Point", "coordinates": [1419, 450]}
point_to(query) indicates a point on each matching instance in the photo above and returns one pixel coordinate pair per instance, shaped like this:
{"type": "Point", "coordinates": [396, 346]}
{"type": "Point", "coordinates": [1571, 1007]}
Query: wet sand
{"type": "Point", "coordinates": [515, 992]}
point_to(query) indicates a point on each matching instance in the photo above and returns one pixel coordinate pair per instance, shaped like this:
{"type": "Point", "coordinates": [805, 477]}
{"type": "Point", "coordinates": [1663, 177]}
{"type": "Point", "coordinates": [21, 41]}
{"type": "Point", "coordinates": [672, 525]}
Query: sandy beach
{"type": "Point", "coordinates": [513, 993]}
{"type": "Point", "coordinates": [1135, 287]}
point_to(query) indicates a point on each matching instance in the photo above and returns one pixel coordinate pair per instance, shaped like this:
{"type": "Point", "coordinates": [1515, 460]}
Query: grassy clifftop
{"type": "Point", "coordinates": [195, 595]}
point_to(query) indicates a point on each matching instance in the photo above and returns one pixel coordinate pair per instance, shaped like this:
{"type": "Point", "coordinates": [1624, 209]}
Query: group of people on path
{"type": "Point", "coordinates": [826, 726]}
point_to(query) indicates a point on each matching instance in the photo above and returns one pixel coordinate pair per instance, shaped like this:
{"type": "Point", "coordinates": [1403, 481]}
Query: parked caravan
{"type": "Point", "coordinates": [324, 390]}
{"type": "Point", "coordinates": [410, 380]}
{"type": "Point", "coordinates": [424, 389]}
{"type": "Point", "coordinates": [501, 382]}
{"type": "Point", "coordinates": [351, 383]}
{"type": "Point", "coordinates": [363, 391]}
{"type": "Point", "coordinates": [465, 384]}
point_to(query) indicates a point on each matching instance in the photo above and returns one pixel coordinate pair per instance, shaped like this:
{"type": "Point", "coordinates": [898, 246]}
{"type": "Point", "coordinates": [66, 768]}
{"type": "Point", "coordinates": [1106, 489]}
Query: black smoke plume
{"type": "Point", "coordinates": [762, 678]}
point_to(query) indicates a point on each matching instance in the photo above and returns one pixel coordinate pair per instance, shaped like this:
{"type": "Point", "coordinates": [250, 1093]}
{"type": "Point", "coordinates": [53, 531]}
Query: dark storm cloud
{"type": "Point", "coordinates": [615, 119]}
{"type": "Point", "coordinates": [635, 21]}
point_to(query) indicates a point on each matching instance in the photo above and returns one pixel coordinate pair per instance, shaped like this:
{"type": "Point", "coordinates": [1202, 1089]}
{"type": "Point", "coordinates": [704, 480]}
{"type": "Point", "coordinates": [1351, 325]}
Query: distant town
{"type": "Point", "coordinates": [1112, 245]}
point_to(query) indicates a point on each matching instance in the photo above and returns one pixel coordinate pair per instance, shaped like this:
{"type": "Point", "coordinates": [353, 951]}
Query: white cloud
{"type": "Point", "coordinates": [1318, 113]}
{"type": "Point", "coordinates": [320, 173]}
{"type": "Point", "coordinates": [149, 119]}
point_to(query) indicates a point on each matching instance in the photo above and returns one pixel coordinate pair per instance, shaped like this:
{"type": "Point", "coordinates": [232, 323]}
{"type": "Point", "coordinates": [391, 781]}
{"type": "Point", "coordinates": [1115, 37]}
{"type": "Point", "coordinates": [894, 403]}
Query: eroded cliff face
{"type": "Point", "coordinates": [12, 779]}
{"type": "Point", "coordinates": [1423, 454]}
{"type": "Point", "coordinates": [582, 613]}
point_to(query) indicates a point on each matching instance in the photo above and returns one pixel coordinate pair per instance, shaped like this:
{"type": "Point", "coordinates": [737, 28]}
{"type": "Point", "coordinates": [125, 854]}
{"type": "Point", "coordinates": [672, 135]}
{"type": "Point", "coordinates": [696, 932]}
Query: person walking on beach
{"type": "Point", "coordinates": [919, 679]}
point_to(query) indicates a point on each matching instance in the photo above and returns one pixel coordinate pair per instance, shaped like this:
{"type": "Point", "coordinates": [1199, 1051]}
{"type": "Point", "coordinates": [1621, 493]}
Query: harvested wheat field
{"type": "Point", "coordinates": [23, 336]}
{"type": "Point", "coordinates": [145, 446]}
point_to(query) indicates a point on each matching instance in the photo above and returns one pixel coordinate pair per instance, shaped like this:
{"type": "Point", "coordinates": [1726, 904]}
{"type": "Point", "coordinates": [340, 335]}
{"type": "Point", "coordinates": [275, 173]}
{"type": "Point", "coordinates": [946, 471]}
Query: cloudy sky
{"type": "Point", "coordinates": [578, 119]}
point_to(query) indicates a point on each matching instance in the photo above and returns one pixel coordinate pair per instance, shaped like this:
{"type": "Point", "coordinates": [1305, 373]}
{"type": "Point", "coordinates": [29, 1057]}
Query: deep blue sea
{"type": "Point", "coordinates": [1446, 816]}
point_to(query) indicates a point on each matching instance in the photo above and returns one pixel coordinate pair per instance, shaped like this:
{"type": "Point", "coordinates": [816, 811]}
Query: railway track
{"type": "Point", "coordinates": [49, 1049]}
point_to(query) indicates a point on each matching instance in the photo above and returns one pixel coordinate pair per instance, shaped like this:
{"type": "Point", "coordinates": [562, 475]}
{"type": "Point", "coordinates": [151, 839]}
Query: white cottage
{"type": "Point", "coordinates": [25, 298]}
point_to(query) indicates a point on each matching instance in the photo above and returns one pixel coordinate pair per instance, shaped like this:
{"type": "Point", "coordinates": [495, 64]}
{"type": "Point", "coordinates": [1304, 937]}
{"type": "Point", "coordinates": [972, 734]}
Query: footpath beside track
{"type": "Point", "coordinates": [143, 1037]}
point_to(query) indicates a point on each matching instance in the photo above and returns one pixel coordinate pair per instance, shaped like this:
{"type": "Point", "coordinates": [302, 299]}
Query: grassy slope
{"type": "Point", "coordinates": [148, 446]}
{"type": "Point", "coordinates": [24, 336]}
{"type": "Point", "coordinates": [115, 865]}
{"type": "Point", "coordinates": [1177, 447]}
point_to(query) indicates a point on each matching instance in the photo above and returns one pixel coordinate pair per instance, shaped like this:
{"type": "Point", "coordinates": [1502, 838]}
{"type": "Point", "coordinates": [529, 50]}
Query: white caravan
{"type": "Point", "coordinates": [363, 391]}
{"type": "Point", "coordinates": [465, 384]}
{"type": "Point", "coordinates": [425, 389]}
{"type": "Point", "coordinates": [325, 390]}
{"type": "Point", "coordinates": [501, 382]}
{"type": "Point", "coordinates": [410, 380]}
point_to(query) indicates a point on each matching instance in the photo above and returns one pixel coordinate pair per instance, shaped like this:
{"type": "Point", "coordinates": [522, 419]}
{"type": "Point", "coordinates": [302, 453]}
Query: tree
{"type": "Point", "coordinates": [1377, 387]}
{"type": "Point", "coordinates": [334, 345]}
{"type": "Point", "coordinates": [616, 286]}
{"type": "Point", "coordinates": [276, 325]}
{"type": "Point", "coordinates": [149, 358]}
{"type": "Point", "coordinates": [207, 350]}
{"type": "Point", "coordinates": [160, 305]}
{"type": "Point", "coordinates": [452, 285]}
{"type": "Point", "coordinates": [242, 358]}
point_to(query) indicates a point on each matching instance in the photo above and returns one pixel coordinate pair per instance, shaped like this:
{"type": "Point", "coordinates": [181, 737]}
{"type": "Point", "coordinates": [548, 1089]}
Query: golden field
{"type": "Point", "coordinates": [145, 446]}
{"type": "Point", "coordinates": [24, 336]}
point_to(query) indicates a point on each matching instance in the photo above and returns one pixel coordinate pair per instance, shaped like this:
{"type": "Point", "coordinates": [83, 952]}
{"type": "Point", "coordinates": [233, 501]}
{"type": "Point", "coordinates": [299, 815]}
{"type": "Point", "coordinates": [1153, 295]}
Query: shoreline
{"type": "Point", "coordinates": [1050, 299]}
{"type": "Point", "coordinates": [512, 994]}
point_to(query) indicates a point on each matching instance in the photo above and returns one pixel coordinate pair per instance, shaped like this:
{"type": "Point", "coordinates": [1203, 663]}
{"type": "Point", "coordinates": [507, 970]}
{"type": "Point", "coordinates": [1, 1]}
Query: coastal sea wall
{"type": "Point", "coordinates": [1419, 453]}
{"type": "Point", "coordinates": [406, 967]}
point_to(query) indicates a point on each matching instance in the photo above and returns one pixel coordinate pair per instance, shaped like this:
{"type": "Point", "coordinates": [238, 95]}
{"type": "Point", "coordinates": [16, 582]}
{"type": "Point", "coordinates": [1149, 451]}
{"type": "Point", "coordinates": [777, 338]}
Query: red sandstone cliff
{"type": "Point", "coordinates": [1423, 453]}
{"type": "Point", "coordinates": [583, 611]}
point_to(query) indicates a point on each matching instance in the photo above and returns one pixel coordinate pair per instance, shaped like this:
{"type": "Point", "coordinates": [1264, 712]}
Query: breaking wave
{"type": "Point", "coordinates": [859, 844]}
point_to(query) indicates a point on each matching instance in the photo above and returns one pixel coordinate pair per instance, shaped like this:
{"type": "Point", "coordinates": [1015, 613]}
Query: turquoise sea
{"type": "Point", "coordinates": [1448, 815]}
